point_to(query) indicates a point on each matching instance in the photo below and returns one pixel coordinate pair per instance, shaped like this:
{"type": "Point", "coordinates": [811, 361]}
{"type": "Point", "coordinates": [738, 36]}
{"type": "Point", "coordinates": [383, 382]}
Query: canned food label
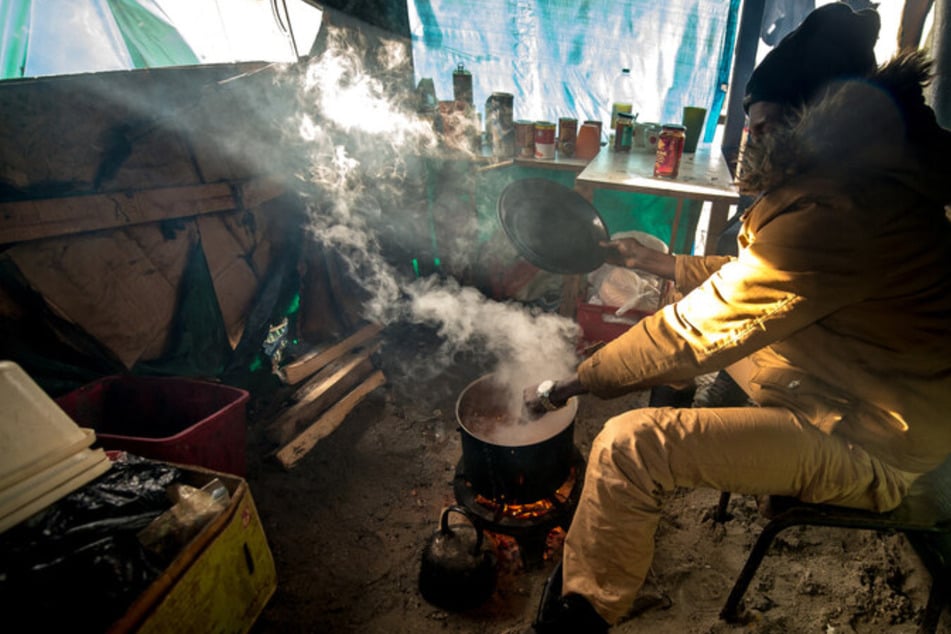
{"type": "Point", "coordinates": [670, 147]}
{"type": "Point", "coordinates": [544, 140]}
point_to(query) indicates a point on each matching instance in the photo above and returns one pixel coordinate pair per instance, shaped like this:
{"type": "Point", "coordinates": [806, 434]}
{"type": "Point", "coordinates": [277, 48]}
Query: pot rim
{"type": "Point", "coordinates": [568, 412]}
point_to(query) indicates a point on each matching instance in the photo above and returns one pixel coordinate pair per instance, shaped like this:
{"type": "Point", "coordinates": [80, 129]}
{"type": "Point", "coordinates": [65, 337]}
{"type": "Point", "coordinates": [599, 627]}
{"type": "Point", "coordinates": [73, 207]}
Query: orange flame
{"type": "Point", "coordinates": [530, 510]}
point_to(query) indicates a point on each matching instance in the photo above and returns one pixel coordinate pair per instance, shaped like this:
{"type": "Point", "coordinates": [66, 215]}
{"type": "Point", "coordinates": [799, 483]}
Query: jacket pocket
{"type": "Point", "coordinates": [811, 399]}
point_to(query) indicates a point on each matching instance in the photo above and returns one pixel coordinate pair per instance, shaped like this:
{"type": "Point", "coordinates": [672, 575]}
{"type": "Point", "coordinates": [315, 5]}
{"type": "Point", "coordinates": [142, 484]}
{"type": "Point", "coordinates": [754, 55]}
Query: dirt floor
{"type": "Point", "coordinates": [349, 524]}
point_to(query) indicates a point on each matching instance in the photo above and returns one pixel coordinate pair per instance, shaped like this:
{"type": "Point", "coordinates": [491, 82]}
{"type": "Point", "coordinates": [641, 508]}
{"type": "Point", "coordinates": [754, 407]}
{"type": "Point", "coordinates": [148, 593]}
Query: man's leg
{"type": "Point", "coordinates": [642, 454]}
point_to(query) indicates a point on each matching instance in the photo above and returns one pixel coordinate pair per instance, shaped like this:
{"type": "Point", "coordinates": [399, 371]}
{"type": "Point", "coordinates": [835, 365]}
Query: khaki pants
{"type": "Point", "coordinates": [645, 453]}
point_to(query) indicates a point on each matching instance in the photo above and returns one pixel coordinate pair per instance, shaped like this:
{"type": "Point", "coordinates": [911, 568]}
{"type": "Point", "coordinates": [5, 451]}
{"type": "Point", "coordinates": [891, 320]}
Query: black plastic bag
{"type": "Point", "coordinates": [77, 565]}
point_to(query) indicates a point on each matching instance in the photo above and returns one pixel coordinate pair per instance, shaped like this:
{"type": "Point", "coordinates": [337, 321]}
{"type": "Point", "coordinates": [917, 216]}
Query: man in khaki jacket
{"type": "Point", "coordinates": [836, 307]}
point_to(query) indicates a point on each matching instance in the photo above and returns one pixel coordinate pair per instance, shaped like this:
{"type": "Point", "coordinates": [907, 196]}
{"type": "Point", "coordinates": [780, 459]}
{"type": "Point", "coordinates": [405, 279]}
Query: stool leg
{"type": "Point", "coordinates": [720, 515]}
{"type": "Point", "coordinates": [937, 599]}
{"type": "Point", "coordinates": [730, 610]}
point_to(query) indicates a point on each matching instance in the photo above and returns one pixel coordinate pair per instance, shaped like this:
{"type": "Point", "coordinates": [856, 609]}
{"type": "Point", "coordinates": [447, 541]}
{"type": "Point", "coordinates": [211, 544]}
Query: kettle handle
{"type": "Point", "coordinates": [444, 524]}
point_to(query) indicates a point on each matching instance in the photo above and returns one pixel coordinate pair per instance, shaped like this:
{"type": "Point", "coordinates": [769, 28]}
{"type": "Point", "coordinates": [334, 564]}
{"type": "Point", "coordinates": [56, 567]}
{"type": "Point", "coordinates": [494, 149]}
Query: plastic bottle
{"type": "Point", "coordinates": [624, 132]}
{"type": "Point", "coordinates": [622, 95]}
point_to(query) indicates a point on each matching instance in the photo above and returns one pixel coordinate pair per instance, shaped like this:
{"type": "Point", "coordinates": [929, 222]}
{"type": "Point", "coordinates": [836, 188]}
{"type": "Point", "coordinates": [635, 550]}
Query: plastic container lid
{"type": "Point", "coordinates": [44, 454]}
{"type": "Point", "coordinates": [33, 428]}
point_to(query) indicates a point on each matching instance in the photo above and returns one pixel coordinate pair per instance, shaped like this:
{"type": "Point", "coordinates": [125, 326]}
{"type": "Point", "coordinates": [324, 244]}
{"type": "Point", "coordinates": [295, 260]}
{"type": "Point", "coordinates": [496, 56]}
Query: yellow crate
{"type": "Point", "coordinates": [220, 582]}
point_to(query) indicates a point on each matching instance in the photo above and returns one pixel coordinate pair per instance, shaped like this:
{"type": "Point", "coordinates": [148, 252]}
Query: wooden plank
{"type": "Point", "coordinates": [326, 387]}
{"type": "Point", "coordinates": [328, 422]}
{"type": "Point", "coordinates": [349, 306]}
{"type": "Point", "coordinates": [48, 217]}
{"type": "Point", "coordinates": [292, 420]}
{"type": "Point", "coordinates": [297, 371]}
{"type": "Point", "coordinates": [319, 318]}
{"type": "Point", "coordinates": [364, 351]}
{"type": "Point", "coordinates": [259, 191]}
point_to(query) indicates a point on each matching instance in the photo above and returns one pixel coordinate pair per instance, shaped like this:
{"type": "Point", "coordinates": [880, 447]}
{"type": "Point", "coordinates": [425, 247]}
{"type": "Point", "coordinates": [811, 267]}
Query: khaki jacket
{"type": "Point", "coordinates": [841, 298]}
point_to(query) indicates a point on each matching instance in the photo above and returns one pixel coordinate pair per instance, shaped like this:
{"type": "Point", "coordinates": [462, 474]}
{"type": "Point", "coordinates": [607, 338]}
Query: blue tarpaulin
{"type": "Point", "coordinates": [560, 57]}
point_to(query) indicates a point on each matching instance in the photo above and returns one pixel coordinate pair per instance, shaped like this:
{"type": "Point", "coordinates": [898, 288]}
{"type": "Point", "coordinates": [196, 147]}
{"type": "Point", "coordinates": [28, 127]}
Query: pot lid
{"type": "Point", "coordinates": [552, 226]}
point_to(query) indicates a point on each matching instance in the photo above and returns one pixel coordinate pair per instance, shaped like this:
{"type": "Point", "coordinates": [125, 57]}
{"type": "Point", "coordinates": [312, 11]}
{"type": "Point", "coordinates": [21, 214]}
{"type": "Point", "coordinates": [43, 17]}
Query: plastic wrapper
{"type": "Point", "coordinates": [78, 564]}
{"type": "Point", "coordinates": [193, 508]}
{"type": "Point", "coordinates": [624, 288]}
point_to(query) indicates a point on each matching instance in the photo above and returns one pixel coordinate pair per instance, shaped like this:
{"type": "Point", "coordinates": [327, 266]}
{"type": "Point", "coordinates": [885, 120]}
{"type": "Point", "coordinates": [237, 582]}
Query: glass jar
{"type": "Point", "coordinates": [624, 132]}
{"type": "Point", "coordinates": [670, 148]}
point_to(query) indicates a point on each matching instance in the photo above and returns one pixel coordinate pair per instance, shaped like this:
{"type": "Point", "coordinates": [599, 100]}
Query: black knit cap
{"type": "Point", "coordinates": [833, 42]}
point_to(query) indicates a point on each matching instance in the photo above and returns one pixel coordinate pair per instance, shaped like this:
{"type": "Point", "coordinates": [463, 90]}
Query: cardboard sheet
{"type": "Point", "coordinates": [119, 286]}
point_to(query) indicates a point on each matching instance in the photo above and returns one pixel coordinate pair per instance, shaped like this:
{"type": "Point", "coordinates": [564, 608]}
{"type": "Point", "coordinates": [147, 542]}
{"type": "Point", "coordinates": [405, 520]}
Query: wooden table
{"type": "Point", "coordinates": [560, 162]}
{"type": "Point", "coordinates": [703, 176]}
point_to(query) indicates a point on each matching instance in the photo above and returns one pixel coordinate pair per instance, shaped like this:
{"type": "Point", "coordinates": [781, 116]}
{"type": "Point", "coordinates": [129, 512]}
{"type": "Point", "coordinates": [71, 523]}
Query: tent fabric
{"type": "Point", "coordinates": [560, 57]}
{"type": "Point", "coordinates": [14, 35]}
{"type": "Point", "coordinates": [150, 40]}
{"type": "Point", "coordinates": [59, 38]}
{"type": "Point", "coordinates": [67, 37]}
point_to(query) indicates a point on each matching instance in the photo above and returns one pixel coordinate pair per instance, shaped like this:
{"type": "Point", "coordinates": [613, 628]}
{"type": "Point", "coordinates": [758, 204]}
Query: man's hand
{"type": "Point", "coordinates": [558, 395]}
{"type": "Point", "coordinates": [631, 254]}
{"type": "Point", "coordinates": [534, 404]}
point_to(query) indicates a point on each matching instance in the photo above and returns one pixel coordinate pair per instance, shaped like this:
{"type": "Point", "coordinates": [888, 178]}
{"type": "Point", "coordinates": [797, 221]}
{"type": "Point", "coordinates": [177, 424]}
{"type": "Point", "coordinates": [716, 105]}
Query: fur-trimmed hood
{"type": "Point", "coordinates": [875, 127]}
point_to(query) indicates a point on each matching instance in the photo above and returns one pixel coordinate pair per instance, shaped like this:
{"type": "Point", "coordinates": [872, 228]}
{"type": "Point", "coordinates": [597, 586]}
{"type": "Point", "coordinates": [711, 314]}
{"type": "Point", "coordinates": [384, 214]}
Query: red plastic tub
{"type": "Point", "coordinates": [597, 326]}
{"type": "Point", "coordinates": [173, 419]}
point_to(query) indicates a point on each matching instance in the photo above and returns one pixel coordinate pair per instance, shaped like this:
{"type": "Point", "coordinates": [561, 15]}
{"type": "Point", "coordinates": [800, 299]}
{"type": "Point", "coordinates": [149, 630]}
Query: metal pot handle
{"type": "Point", "coordinates": [444, 524]}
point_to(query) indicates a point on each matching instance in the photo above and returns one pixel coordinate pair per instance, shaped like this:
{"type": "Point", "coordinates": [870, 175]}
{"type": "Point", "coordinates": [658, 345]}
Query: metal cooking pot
{"type": "Point", "coordinates": [456, 573]}
{"type": "Point", "coordinates": [508, 460]}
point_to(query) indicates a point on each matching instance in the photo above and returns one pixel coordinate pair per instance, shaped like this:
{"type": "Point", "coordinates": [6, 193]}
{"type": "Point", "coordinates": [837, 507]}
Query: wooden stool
{"type": "Point", "coordinates": [924, 517]}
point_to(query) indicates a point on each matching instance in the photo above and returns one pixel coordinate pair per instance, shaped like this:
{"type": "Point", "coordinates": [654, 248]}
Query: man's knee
{"type": "Point", "coordinates": [631, 449]}
{"type": "Point", "coordinates": [631, 437]}
{"type": "Point", "coordinates": [618, 431]}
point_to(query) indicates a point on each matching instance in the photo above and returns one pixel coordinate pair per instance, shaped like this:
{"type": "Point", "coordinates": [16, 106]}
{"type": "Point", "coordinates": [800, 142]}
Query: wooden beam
{"type": "Point", "coordinates": [326, 387]}
{"type": "Point", "coordinates": [298, 370]}
{"type": "Point", "coordinates": [260, 190]}
{"type": "Point", "coordinates": [45, 218]}
{"type": "Point", "coordinates": [291, 453]}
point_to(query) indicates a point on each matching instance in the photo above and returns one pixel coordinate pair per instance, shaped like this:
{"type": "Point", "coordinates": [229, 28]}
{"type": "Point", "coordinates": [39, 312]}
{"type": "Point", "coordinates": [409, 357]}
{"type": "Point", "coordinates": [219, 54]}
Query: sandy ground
{"type": "Point", "coordinates": [348, 526]}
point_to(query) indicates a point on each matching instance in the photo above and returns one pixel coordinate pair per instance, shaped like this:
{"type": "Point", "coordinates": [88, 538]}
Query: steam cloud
{"type": "Point", "coordinates": [363, 146]}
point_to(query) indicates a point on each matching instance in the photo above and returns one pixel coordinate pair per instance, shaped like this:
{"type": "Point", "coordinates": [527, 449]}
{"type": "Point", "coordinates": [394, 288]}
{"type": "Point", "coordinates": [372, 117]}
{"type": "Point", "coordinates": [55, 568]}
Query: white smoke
{"type": "Point", "coordinates": [361, 144]}
{"type": "Point", "coordinates": [531, 345]}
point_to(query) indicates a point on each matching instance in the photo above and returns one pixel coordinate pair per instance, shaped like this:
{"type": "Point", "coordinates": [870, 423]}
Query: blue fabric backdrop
{"type": "Point", "coordinates": [560, 57]}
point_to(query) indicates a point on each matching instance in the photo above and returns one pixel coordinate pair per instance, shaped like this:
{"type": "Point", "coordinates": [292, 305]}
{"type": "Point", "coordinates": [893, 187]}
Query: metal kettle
{"type": "Point", "coordinates": [456, 572]}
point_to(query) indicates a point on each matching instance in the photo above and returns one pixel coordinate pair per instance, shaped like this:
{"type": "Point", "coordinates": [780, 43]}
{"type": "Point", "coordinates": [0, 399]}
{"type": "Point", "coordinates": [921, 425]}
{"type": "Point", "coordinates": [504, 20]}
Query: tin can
{"type": "Point", "coordinates": [595, 123]}
{"type": "Point", "coordinates": [624, 132]}
{"type": "Point", "coordinates": [567, 135]}
{"type": "Point", "coordinates": [589, 142]}
{"type": "Point", "coordinates": [544, 140]}
{"type": "Point", "coordinates": [670, 147]}
{"type": "Point", "coordinates": [524, 139]}
{"type": "Point", "coordinates": [462, 85]}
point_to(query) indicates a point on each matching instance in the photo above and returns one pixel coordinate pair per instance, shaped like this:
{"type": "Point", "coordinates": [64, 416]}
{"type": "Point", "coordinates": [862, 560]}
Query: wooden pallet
{"type": "Point", "coordinates": [340, 376]}
{"type": "Point", "coordinates": [296, 371]}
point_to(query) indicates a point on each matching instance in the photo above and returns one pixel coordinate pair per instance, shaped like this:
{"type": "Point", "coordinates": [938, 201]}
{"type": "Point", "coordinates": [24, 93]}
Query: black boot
{"type": "Point", "coordinates": [571, 614]}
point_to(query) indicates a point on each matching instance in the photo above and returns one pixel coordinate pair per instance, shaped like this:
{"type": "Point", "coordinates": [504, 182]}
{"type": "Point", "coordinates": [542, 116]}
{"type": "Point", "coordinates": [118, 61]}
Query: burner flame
{"type": "Point", "coordinates": [530, 510]}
